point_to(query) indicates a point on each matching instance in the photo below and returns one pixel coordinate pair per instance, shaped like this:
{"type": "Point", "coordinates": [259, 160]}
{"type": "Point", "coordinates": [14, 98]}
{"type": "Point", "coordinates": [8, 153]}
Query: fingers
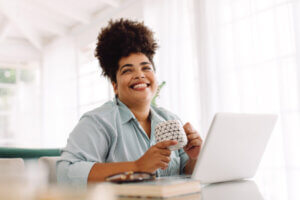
{"type": "Point", "coordinates": [189, 129]}
{"type": "Point", "coordinates": [164, 165]}
{"type": "Point", "coordinates": [165, 159]}
{"type": "Point", "coordinates": [165, 152]}
{"type": "Point", "coordinates": [194, 143]}
{"type": "Point", "coordinates": [193, 136]}
{"type": "Point", "coordinates": [194, 139]}
{"type": "Point", "coordinates": [166, 144]}
{"type": "Point", "coordinates": [164, 162]}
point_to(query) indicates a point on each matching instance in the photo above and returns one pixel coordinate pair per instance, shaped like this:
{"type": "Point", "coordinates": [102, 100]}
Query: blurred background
{"type": "Point", "coordinates": [215, 56]}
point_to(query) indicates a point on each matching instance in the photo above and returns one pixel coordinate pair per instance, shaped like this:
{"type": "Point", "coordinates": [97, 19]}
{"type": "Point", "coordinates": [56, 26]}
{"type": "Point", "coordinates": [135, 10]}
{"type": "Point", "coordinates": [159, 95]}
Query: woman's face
{"type": "Point", "coordinates": [136, 81]}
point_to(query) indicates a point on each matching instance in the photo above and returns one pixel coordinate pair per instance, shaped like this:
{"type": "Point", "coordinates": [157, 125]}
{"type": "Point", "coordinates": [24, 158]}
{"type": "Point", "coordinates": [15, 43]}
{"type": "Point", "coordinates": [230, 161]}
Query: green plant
{"type": "Point", "coordinates": [153, 102]}
{"type": "Point", "coordinates": [7, 75]}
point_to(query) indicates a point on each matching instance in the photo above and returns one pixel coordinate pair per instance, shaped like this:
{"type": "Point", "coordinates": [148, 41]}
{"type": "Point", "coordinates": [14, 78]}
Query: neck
{"type": "Point", "coordinates": [141, 112]}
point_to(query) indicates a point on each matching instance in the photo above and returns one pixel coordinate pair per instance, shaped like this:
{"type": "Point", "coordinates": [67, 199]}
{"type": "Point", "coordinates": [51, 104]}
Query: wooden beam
{"type": "Point", "coordinates": [113, 3]}
{"type": "Point", "coordinates": [41, 18]}
{"type": "Point", "coordinates": [10, 10]}
{"type": "Point", "coordinates": [50, 26]}
{"type": "Point", "coordinates": [66, 10]}
{"type": "Point", "coordinates": [84, 34]}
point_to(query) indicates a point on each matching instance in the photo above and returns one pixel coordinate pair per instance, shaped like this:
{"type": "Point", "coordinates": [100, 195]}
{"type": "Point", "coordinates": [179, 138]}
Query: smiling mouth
{"type": "Point", "coordinates": [140, 85]}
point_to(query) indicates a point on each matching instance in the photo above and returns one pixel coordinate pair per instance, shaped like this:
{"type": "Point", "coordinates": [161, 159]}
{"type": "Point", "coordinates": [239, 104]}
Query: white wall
{"type": "Point", "coordinates": [59, 91]}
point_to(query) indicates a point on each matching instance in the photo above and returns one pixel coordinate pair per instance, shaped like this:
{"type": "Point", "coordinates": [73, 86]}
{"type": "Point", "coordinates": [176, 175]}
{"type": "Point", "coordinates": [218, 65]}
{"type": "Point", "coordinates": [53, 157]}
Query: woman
{"type": "Point", "coordinates": [119, 136]}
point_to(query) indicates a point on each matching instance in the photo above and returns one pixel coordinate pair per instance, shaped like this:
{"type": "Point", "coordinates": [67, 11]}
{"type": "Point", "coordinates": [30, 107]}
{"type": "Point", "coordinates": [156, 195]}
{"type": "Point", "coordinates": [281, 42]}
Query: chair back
{"type": "Point", "coordinates": [50, 163]}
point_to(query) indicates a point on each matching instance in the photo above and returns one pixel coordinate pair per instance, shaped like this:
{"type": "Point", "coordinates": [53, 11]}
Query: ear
{"type": "Point", "coordinates": [115, 87]}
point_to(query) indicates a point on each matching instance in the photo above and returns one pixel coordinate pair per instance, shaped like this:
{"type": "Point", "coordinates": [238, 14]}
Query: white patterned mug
{"type": "Point", "coordinates": [171, 130]}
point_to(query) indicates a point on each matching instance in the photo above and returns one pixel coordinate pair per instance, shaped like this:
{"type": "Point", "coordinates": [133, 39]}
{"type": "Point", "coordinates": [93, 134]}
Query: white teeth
{"type": "Point", "coordinates": [140, 85]}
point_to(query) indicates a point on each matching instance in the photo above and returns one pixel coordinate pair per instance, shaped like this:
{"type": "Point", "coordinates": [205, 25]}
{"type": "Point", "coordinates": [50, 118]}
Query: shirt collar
{"type": "Point", "coordinates": [155, 118]}
{"type": "Point", "coordinates": [125, 112]}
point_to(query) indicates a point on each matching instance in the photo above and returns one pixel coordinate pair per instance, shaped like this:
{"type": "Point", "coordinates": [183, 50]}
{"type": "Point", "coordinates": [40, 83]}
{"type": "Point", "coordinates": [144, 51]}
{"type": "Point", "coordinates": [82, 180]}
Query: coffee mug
{"type": "Point", "coordinates": [171, 130]}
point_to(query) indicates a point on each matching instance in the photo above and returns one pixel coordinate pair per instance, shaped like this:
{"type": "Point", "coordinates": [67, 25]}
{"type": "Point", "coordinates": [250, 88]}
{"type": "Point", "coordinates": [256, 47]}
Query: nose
{"type": "Point", "coordinates": [139, 74]}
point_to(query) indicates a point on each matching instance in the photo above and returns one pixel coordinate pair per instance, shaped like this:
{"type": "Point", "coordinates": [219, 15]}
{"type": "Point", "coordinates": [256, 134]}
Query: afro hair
{"type": "Point", "coordinates": [119, 39]}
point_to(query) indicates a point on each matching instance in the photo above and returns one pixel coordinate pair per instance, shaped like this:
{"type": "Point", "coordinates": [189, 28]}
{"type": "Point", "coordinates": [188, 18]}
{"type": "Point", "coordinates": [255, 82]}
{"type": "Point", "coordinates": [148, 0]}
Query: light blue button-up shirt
{"type": "Point", "coordinates": [111, 133]}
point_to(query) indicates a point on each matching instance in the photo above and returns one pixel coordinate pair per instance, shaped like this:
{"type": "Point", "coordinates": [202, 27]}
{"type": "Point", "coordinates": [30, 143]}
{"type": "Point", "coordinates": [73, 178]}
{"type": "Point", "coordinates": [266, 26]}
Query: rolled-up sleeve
{"type": "Point", "coordinates": [87, 144]}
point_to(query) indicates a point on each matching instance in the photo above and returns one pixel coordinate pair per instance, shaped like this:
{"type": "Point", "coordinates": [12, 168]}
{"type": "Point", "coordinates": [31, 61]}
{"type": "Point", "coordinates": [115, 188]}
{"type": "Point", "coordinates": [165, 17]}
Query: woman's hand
{"type": "Point", "coordinates": [157, 156]}
{"type": "Point", "coordinates": [194, 142]}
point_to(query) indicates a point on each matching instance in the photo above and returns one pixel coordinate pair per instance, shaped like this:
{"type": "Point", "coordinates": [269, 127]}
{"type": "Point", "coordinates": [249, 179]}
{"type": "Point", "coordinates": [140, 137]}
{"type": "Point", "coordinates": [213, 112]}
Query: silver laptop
{"type": "Point", "coordinates": [233, 190]}
{"type": "Point", "coordinates": [233, 147]}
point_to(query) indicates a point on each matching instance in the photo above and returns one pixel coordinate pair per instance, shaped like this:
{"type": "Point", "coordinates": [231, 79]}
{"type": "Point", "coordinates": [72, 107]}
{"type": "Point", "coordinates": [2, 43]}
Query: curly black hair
{"type": "Point", "coordinates": [119, 39]}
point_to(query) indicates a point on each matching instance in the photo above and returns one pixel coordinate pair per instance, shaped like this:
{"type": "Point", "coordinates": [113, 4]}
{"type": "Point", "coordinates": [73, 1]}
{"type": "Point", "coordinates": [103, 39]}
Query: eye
{"type": "Point", "coordinates": [126, 71]}
{"type": "Point", "coordinates": [147, 68]}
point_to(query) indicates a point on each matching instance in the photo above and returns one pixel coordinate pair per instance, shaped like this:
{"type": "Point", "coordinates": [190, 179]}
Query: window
{"type": "Point", "coordinates": [256, 70]}
{"type": "Point", "coordinates": [19, 105]}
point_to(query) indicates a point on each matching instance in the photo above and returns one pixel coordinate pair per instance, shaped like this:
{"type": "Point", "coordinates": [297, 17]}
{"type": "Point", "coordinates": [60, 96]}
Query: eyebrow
{"type": "Point", "coordinates": [131, 65]}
